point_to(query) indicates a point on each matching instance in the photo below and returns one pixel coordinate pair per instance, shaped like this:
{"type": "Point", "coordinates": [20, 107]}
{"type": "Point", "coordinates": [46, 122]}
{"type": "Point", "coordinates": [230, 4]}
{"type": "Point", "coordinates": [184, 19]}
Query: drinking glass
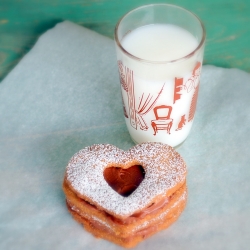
{"type": "Point", "coordinates": [159, 94]}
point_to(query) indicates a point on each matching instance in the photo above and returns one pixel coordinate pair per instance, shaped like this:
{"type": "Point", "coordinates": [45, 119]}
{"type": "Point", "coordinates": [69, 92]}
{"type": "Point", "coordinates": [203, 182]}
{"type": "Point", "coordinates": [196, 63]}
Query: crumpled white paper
{"type": "Point", "coordinates": [65, 95]}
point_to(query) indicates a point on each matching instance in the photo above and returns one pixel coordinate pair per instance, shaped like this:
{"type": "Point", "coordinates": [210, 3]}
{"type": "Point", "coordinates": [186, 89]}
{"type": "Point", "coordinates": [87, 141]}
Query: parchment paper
{"type": "Point", "coordinates": [65, 95]}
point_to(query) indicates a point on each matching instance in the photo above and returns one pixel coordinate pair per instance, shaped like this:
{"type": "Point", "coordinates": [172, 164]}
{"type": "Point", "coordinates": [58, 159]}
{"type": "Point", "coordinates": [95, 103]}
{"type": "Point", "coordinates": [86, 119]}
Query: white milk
{"type": "Point", "coordinates": [159, 42]}
{"type": "Point", "coordinates": [159, 98]}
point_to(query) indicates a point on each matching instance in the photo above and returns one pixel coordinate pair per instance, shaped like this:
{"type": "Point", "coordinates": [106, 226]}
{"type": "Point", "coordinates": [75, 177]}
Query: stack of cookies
{"type": "Point", "coordinates": [126, 196]}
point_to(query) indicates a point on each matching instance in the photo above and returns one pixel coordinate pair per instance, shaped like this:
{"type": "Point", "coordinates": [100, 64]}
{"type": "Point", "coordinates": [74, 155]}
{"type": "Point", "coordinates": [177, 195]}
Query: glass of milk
{"type": "Point", "coordinates": [159, 53]}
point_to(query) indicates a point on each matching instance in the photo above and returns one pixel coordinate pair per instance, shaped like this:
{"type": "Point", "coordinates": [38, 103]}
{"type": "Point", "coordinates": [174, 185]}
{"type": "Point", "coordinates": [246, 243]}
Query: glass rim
{"type": "Point", "coordinates": [160, 62]}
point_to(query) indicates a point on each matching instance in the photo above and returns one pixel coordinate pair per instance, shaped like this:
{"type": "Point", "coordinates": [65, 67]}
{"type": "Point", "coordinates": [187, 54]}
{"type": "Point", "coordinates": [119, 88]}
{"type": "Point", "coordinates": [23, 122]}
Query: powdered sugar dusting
{"type": "Point", "coordinates": [163, 166]}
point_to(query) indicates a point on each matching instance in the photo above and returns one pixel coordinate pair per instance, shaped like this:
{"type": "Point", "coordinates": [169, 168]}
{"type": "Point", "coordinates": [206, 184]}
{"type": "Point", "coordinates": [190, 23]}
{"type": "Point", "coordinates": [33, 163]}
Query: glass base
{"type": "Point", "coordinates": [175, 147]}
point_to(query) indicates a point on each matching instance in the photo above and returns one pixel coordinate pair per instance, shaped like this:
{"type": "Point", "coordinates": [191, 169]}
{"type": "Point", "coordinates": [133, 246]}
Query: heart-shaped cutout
{"type": "Point", "coordinates": [124, 181]}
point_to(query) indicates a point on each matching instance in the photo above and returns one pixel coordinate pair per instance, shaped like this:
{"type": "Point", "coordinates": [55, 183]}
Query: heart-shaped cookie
{"type": "Point", "coordinates": [126, 196]}
{"type": "Point", "coordinates": [165, 172]}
